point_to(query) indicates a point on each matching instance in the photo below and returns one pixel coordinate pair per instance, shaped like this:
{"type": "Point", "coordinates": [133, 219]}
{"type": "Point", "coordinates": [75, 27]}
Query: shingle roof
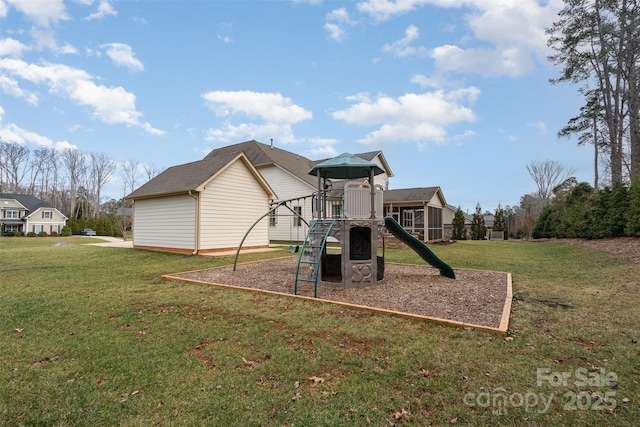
{"type": "Point", "coordinates": [410, 194]}
{"type": "Point", "coordinates": [261, 155]}
{"type": "Point", "coordinates": [182, 178]}
{"type": "Point", "coordinates": [30, 202]}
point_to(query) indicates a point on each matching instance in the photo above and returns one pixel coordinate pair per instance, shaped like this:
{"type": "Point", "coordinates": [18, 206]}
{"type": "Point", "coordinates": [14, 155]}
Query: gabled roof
{"type": "Point", "coordinates": [408, 195]}
{"type": "Point", "coordinates": [262, 155]}
{"type": "Point", "coordinates": [453, 209]}
{"type": "Point", "coordinates": [30, 203]}
{"type": "Point", "coordinates": [192, 177]}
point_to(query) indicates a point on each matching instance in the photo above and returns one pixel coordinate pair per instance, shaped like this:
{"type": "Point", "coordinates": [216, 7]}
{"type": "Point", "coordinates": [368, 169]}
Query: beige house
{"type": "Point", "coordinates": [204, 206]}
{"type": "Point", "coordinates": [22, 213]}
{"type": "Point", "coordinates": [417, 210]}
{"type": "Point", "coordinates": [288, 175]}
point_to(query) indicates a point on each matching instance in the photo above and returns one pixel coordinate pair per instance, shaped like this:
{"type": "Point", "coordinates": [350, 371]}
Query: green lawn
{"type": "Point", "coordinates": [94, 336]}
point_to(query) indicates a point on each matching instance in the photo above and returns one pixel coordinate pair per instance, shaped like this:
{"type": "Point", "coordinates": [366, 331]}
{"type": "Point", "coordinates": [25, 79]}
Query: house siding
{"type": "Point", "coordinates": [165, 222]}
{"type": "Point", "coordinates": [230, 205]}
{"type": "Point", "coordinates": [287, 186]}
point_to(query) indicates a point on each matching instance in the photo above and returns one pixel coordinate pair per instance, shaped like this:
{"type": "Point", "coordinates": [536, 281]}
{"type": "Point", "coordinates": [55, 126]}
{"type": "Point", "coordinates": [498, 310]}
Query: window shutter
{"type": "Point", "coordinates": [42, 214]}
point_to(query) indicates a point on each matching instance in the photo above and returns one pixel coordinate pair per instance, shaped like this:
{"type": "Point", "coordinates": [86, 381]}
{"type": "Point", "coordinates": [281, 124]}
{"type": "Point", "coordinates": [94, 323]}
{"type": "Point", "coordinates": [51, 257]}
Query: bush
{"type": "Point", "coordinates": [43, 234]}
{"type": "Point", "coordinates": [633, 214]}
{"type": "Point", "coordinates": [54, 234]}
{"type": "Point", "coordinates": [66, 231]}
{"type": "Point", "coordinates": [31, 234]}
{"type": "Point", "coordinates": [10, 233]}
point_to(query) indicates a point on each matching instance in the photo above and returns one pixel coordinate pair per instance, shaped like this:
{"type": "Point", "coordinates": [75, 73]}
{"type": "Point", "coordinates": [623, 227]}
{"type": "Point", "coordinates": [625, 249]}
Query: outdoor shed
{"type": "Point", "coordinates": [202, 207]}
{"type": "Point", "coordinates": [418, 210]}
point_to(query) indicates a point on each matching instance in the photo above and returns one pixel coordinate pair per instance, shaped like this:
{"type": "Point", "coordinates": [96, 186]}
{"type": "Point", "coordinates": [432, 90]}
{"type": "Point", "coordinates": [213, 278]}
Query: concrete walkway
{"type": "Point", "coordinates": [113, 242]}
{"type": "Point", "coordinates": [116, 242]}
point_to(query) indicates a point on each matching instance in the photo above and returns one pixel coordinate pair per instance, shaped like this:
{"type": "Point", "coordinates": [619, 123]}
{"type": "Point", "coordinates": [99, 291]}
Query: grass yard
{"type": "Point", "coordinates": [92, 336]}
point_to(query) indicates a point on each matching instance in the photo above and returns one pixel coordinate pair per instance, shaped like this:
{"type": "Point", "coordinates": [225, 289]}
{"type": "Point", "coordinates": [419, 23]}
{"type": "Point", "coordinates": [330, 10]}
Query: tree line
{"type": "Point", "coordinates": [597, 45]}
{"type": "Point", "coordinates": [69, 179]}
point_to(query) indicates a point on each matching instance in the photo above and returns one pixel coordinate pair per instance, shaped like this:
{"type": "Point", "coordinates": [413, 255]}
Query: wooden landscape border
{"type": "Point", "coordinates": [502, 329]}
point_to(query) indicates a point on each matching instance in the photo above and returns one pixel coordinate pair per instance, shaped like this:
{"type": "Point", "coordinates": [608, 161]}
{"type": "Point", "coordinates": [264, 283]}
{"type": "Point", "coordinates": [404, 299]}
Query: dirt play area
{"type": "Point", "coordinates": [479, 299]}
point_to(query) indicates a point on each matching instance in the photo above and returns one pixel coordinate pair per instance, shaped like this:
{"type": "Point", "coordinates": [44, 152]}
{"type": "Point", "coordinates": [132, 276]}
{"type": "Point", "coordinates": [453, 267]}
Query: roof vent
{"type": "Point", "coordinates": [272, 143]}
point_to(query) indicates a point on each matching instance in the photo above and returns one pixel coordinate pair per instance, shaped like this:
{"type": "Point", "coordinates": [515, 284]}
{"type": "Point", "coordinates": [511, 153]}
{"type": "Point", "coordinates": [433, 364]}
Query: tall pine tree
{"type": "Point", "coordinates": [459, 231]}
{"type": "Point", "coordinates": [478, 229]}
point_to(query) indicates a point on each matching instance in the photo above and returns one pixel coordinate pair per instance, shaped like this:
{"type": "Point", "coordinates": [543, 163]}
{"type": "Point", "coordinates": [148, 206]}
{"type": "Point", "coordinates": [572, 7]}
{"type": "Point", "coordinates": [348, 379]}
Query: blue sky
{"type": "Point", "coordinates": [454, 92]}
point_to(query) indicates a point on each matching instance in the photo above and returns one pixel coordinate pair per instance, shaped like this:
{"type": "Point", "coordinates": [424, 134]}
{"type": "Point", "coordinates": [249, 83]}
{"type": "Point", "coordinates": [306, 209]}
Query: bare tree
{"type": "Point", "coordinates": [74, 162]}
{"type": "Point", "coordinates": [547, 175]}
{"type": "Point", "coordinates": [102, 168]}
{"type": "Point", "coordinates": [130, 175]}
{"type": "Point", "coordinates": [151, 170]}
{"type": "Point", "coordinates": [14, 165]}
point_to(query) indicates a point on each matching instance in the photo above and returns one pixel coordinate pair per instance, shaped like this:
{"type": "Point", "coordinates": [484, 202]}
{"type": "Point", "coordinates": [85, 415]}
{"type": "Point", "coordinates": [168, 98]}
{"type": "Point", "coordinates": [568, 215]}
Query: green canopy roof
{"type": "Point", "coordinates": [346, 166]}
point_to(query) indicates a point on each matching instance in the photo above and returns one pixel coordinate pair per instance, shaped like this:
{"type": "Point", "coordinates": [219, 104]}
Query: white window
{"type": "Point", "coordinates": [297, 222]}
{"type": "Point", "coordinates": [12, 214]}
{"type": "Point", "coordinates": [47, 214]}
{"type": "Point", "coordinates": [37, 228]}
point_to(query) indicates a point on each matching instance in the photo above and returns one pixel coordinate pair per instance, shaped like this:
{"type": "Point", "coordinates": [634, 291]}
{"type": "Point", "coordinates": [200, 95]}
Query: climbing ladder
{"type": "Point", "coordinates": [311, 253]}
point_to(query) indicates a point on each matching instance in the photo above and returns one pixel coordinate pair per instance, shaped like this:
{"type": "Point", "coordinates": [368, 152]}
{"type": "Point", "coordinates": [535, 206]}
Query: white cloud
{"type": "Point", "coordinates": [11, 87]}
{"type": "Point", "coordinates": [277, 112]}
{"type": "Point", "coordinates": [14, 133]}
{"type": "Point", "coordinates": [12, 47]}
{"type": "Point", "coordinates": [110, 104]}
{"type": "Point", "coordinates": [382, 10]}
{"type": "Point", "coordinates": [42, 13]}
{"type": "Point", "coordinates": [321, 147]}
{"type": "Point", "coordinates": [104, 9]}
{"type": "Point", "coordinates": [508, 36]}
{"type": "Point", "coordinates": [410, 117]}
{"type": "Point", "coordinates": [486, 62]}
{"type": "Point", "coordinates": [336, 20]}
{"type": "Point", "coordinates": [122, 55]}
{"type": "Point", "coordinates": [401, 48]}
{"type": "Point", "coordinates": [540, 126]}
{"type": "Point", "coordinates": [271, 107]}
{"type": "Point", "coordinates": [336, 32]}
{"type": "Point", "coordinates": [4, 9]}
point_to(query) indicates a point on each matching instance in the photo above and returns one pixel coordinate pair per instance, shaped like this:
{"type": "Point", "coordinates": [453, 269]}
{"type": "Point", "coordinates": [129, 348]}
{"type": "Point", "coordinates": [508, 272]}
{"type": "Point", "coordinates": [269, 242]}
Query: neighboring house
{"type": "Point", "coordinates": [24, 213]}
{"type": "Point", "coordinates": [288, 175]}
{"type": "Point", "coordinates": [418, 210]}
{"type": "Point", "coordinates": [203, 206]}
{"type": "Point", "coordinates": [448, 213]}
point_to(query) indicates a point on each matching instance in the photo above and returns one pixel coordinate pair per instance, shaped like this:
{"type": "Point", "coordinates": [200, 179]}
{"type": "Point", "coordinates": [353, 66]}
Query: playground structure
{"type": "Point", "coordinates": [351, 225]}
{"type": "Point", "coordinates": [357, 226]}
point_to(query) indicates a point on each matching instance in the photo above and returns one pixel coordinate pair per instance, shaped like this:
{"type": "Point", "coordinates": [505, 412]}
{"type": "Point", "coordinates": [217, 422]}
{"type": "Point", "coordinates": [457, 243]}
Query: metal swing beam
{"type": "Point", "coordinates": [282, 203]}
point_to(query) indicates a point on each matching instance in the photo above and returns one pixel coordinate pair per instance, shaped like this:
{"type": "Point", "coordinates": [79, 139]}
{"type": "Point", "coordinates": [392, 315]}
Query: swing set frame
{"type": "Point", "coordinates": [276, 205]}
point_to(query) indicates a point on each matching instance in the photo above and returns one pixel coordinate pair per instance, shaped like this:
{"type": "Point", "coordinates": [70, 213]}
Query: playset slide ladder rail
{"type": "Point", "coordinates": [311, 253]}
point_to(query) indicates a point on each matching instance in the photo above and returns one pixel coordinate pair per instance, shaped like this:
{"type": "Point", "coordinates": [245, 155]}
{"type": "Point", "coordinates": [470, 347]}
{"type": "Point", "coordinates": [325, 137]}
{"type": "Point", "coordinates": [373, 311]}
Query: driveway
{"type": "Point", "coordinates": [113, 242]}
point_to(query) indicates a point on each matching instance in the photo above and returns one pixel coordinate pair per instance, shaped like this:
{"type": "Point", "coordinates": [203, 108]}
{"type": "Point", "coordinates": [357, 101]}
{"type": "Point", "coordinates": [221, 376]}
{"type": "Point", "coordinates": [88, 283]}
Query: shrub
{"type": "Point", "coordinates": [43, 234]}
{"type": "Point", "coordinates": [633, 214]}
{"type": "Point", "coordinates": [54, 234]}
{"type": "Point", "coordinates": [31, 234]}
{"type": "Point", "coordinates": [66, 231]}
{"type": "Point", "coordinates": [10, 233]}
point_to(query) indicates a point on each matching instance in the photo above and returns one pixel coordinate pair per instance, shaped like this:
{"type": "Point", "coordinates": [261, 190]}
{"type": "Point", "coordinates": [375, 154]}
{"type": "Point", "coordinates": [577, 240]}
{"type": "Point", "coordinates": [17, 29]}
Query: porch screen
{"type": "Point", "coordinates": [435, 223]}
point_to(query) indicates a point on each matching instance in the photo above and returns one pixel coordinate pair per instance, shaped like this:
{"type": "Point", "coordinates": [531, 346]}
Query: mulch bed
{"type": "Point", "coordinates": [475, 298]}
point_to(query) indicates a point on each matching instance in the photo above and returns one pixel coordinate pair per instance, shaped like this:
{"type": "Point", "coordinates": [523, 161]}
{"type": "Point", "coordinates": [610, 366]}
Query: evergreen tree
{"type": "Point", "coordinates": [459, 231]}
{"type": "Point", "coordinates": [500, 222]}
{"type": "Point", "coordinates": [478, 229]}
